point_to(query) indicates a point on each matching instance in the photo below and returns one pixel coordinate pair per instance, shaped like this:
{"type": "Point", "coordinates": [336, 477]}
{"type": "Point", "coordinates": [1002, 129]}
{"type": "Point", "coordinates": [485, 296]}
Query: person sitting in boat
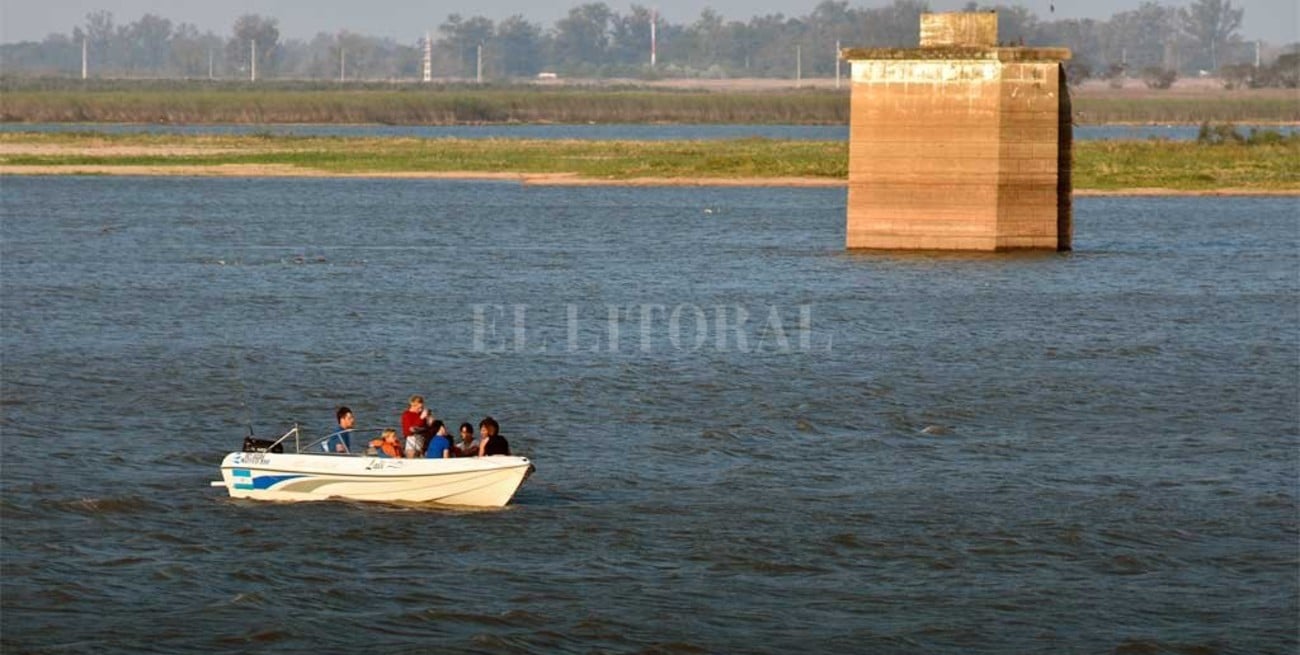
{"type": "Point", "coordinates": [466, 447]}
{"type": "Point", "coordinates": [491, 442]}
{"type": "Point", "coordinates": [440, 443]}
{"type": "Point", "coordinates": [415, 425]}
{"type": "Point", "coordinates": [387, 445]}
{"type": "Point", "coordinates": [340, 441]}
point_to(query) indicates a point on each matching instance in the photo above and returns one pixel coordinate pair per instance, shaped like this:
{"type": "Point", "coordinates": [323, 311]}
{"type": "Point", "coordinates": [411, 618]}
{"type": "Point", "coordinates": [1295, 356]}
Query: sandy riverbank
{"type": "Point", "coordinates": [540, 179]}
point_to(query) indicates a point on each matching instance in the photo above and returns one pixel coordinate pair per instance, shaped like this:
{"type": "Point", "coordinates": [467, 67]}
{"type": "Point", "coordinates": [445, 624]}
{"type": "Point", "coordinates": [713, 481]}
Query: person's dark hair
{"type": "Point", "coordinates": [435, 426]}
{"type": "Point", "coordinates": [341, 412]}
{"type": "Point", "coordinates": [491, 424]}
{"type": "Point", "coordinates": [466, 426]}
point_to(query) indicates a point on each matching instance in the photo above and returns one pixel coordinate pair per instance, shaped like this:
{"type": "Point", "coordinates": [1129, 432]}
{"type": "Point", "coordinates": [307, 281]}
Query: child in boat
{"type": "Point", "coordinates": [440, 443]}
{"type": "Point", "coordinates": [415, 426]}
{"type": "Point", "coordinates": [388, 445]}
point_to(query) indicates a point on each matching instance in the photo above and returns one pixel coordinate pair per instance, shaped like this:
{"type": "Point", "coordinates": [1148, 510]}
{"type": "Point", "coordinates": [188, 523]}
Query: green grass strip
{"type": "Point", "coordinates": [197, 102]}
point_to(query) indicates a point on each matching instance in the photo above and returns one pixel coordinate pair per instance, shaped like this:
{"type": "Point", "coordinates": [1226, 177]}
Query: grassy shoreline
{"type": "Point", "coordinates": [453, 106]}
{"type": "Point", "coordinates": [1100, 166]}
{"type": "Point", "coordinates": [196, 102]}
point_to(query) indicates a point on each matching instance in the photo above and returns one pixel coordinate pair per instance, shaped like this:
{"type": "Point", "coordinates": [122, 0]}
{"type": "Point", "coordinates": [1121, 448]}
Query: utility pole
{"type": "Point", "coordinates": [252, 60]}
{"type": "Point", "coordinates": [654, 36]}
{"type": "Point", "coordinates": [428, 57]}
{"type": "Point", "coordinates": [85, 61]}
{"type": "Point", "coordinates": [798, 66]}
{"type": "Point", "coordinates": [837, 63]}
{"type": "Point", "coordinates": [343, 65]}
{"type": "Point", "coordinates": [478, 69]}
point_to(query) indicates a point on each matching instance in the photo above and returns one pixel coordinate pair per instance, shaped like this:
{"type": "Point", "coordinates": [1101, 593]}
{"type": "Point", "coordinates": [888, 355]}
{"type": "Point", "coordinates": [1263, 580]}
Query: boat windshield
{"type": "Point", "coordinates": [359, 437]}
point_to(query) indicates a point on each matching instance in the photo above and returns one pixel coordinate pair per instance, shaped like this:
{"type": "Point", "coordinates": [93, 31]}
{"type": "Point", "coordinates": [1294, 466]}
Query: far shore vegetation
{"type": "Point", "coordinates": [1225, 158]}
{"type": "Point", "coordinates": [25, 100]}
{"type": "Point", "coordinates": [1151, 42]}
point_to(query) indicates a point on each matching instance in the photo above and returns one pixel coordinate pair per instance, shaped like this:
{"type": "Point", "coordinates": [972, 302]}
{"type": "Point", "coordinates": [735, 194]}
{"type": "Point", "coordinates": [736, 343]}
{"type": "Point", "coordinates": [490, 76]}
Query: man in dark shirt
{"type": "Point", "coordinates": [490, 442]}
{"type": "Point", "coordinates": [341, 440]}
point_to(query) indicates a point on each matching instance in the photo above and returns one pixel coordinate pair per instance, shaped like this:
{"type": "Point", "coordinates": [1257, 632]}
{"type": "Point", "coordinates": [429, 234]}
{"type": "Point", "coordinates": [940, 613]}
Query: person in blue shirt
{"type": "Point", "coordinates": [440, 444]}
{"type": "Point", "coordinates": [341, 440]}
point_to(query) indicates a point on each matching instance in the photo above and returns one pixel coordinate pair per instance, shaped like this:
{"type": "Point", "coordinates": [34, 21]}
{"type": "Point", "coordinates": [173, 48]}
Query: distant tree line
{"type": "Point", "coordinates": [594, 40]}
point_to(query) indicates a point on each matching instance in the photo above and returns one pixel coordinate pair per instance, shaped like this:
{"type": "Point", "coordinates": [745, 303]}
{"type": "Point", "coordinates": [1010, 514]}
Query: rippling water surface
{"type": "Point", "coordinates": [797, 448]}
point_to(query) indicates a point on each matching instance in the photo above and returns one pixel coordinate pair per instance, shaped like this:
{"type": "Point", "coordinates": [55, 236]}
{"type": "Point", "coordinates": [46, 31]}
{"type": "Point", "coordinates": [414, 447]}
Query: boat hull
{"type": "Point", "coordinates": [468, 482]}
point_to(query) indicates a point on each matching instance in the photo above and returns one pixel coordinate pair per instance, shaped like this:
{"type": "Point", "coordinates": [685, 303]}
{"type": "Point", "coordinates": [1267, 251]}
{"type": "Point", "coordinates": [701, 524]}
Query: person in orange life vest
{"type": "Point", "coordinates": [388, 445]}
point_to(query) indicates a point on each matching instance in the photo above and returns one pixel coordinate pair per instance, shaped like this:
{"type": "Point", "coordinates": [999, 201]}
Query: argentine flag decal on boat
{"type": "Point", "coordinates": [243, 478]}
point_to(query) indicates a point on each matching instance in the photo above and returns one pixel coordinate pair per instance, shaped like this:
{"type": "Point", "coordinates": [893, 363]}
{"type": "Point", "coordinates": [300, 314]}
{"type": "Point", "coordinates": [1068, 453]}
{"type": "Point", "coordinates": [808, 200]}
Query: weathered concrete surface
{"type": "Point", "coordinates": [959, 146]}
{"type": "Point", "coordinates": [959, 29]}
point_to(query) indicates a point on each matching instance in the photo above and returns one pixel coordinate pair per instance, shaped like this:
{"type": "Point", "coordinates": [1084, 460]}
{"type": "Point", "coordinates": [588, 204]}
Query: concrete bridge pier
{"type": "Point", "coordinates": [959, 144]}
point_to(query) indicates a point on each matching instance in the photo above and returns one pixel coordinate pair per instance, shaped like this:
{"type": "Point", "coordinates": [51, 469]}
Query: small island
{"type": "Point", "coordinates": [1265, 163]}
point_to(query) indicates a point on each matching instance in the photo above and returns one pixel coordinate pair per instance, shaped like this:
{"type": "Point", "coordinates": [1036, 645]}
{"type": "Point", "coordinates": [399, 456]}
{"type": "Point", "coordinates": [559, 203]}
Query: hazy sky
{"type": "Point", "coordinates": [1276, 21]}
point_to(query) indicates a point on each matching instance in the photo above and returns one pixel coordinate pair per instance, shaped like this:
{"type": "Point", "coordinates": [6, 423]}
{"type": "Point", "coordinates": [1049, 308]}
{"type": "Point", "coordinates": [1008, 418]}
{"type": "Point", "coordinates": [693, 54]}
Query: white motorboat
{"type": "Point", "coordinates": [261, 473]}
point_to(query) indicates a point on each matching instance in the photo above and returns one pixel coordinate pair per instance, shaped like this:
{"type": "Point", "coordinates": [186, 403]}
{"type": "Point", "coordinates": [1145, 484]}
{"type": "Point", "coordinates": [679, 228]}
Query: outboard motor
{"type": "Point", "coordinates": [252, 445]}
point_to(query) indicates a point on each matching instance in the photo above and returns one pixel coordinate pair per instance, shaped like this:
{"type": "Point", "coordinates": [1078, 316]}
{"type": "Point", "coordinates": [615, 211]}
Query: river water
{"type": "Point", "coordinates": [747, 439]}
{"type": "Point", "coordinates": [632, 132]}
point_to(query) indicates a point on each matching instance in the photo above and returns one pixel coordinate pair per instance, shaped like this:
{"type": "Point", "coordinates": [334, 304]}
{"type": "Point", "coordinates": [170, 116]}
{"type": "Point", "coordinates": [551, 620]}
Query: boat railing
{"type": "Point", "coordinates": [294, 431]}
